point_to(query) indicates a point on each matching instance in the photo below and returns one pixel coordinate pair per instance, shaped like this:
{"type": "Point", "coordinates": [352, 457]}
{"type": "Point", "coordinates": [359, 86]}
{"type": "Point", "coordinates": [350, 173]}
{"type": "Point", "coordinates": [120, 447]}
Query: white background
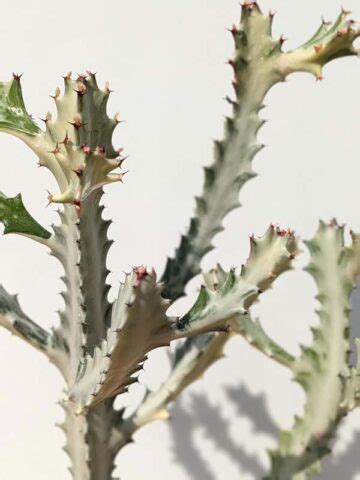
{"type": "Point", "coordinates": [165, 61]}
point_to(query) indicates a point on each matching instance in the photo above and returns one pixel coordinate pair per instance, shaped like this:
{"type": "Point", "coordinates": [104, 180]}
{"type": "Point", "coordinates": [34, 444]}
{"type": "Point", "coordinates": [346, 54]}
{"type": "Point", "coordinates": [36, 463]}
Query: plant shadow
{"type": "Point", "coordinates": [202, 415]}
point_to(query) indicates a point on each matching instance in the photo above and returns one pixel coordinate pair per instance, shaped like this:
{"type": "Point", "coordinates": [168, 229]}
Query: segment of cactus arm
{"type": "Point", "coordinates": [17, 219]}
{"type": "Point", "coordinates": [141, 308]}
{"type": "Point", "coordinates": [323, 368]}
{"type": "Point", "coordinates": [13, 114]}
{"type": "Point", "coordinates": [18, 323]}
{"type": "Point", "coordinates": [192, 359]}
{"type": "Point", "coordinates": [186, 369]}
{"type": "Point", "coordinates": [76, 147]}
{"type": "Point", "coordinates": [258, 65]}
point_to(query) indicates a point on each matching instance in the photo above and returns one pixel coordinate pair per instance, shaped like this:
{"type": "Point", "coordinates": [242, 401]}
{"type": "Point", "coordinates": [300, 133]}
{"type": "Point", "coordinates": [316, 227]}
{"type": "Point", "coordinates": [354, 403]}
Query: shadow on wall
{"type": "Point", "coordinates": [204, 416]}
{"type": "Point", "coordinates": [208, 418]}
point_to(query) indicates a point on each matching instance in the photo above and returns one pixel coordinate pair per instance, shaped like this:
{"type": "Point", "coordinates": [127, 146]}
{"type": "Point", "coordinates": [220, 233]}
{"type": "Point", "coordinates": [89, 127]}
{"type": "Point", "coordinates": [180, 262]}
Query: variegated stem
{"type": "Point", "coordinates": [205, 350]}
{"type": "Point", "coordinates": [18, 323]}
{"type": "Point", "coordinates": [258, 64]}
{"type": "Point", "coordinates": [253, 332]}
{"type": "Point", "coordinates": [323, 368]}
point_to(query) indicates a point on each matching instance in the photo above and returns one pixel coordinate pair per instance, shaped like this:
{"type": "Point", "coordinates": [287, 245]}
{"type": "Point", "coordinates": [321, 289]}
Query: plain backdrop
{"type": "Point", "coordinates": [165, 61]}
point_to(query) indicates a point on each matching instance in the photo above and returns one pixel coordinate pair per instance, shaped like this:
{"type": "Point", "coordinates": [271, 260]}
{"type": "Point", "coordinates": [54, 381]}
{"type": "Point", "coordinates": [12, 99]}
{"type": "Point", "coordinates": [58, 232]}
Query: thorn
{"type": "Point", "coordinates": [107, 88]}
{"type": "Point", "coordinates": [81, 77]}
{"type": "Point", "coordinates": [47, 118]}
{"type": "Point", "coordinates": [121, 175]}
{"type": "Point", "coordinates": [320, 78]}
{"type": "Point", "coordinates": [234, 29]}
{"type": "Point", "coordinates": [56, 94]}
{"type": "Point", "coordinates": [249, 5]}
{"type": "Point", "coordinates": [77, 203]}
{"type": "Point", "coordinates": [252, 239]}
{"type": "Point", "coordinates": [100, 150]}
{"type": "Point", "coordinates": [271, 275]}
{"type": "Point", "coordinates": [80, 90]}
{"type": "Point", "coordinates": [67, 76]}
{"type": "Point", "coordinates": [140, 273]}
{"type": "Point", "coordinates": [117, 118]}
{"type": "Point", "coordinates": [291, 256]}
{"type": "Point", "coordinates": [66, 139]}
{"type": "Point", "coordinates": [79, 170]}
{"type": "Point", "coordinates": [56, 149]}
{"type": "Point", "coordinates": [86, 149]}
{"type": "Point", "coordinates": [345, 12]}
{"type": "Point", "coordinates": [342, 32]}
{"type": "Point", "coordinates": [77, 123]}
{"type": "Point", "coordinates": [49, 197]}
{"type": "Point", "coordinates": [271, 14]}
{"type": "Point", "coordinates": [324, 22]}
{"type": "Point", "coordinates": [282, 40]}
{"type": "Point", "coordinates": [17, 76]}
{"type": "Point", "coordinates": [281, 232]}
{"type": "Point", "coordinates": [317, 48]}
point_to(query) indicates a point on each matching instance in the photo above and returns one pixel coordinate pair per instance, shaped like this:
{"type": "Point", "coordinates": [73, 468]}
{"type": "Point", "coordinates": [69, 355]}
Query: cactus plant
{"type": "Point", "coordinates": [100, 347]}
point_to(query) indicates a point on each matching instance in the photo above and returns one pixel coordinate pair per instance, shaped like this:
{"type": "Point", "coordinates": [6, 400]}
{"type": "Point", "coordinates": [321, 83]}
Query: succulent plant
{"type": "Point", "coordinates": [100, 347]}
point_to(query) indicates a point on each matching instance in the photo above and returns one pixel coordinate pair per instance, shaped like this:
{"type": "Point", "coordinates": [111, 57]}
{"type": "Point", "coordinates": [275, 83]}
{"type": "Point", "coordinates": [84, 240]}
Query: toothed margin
{"type": "Point", "coordinates": [138, 325]}
{"type": "Point", "coordinates": [258, 64]}
{"type": "Point", "coordinates": [323, 367]}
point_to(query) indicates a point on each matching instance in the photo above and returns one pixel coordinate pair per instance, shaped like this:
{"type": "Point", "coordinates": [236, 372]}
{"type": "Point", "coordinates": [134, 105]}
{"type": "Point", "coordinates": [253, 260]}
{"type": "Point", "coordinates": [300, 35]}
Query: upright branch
{"type": "Point", "coordinates": [258, 63]}
{"type": "Point", "coordinates": [323, 369]}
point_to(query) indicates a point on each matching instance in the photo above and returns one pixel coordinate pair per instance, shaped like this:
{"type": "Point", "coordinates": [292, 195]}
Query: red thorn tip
{"type": "Point", "coordinates": [281, 232]}
{"type": "Point", "coordinates": [317, 48]}
{"type": "Point", "coordinates": [66, 139]}
{"type": "Point", "coordinates": [271, 14]}
{"type": "Point", "coordinates": [319, 78]}
{"type": "Point", "coordinates": [291, 256]}
{"type": "Point", "coordinates": [100, 150]}
{"type": "Point", "coordinates": [249, 5]}
{"type": "Point", "coordinates": [77, 123]}
{"type": "Point", "coordinates": [67, 76]}
{"type": "Point", "coordinates": [86, 149]}
{"type": "Point", "coordinates": [81, 77]}
{"type": "Point", "coordinates": [282, 39]}
{"type": "Point", "coordinates": [342, 32]}
{"type": "Point", "coordinates": [81, 89]}
{"type": "Point", "coordinates": [79, 170]}
{"type": "Point", "coordinates": [140, 272]}
{"type": "Point", "coordinates": [56, 149]}
{"type": "Point", "coordinates": [77, 202]}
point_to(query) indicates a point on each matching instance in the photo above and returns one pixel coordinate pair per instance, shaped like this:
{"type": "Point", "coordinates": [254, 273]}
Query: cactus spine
{"type": "Point", "coordinates": [99, 347]}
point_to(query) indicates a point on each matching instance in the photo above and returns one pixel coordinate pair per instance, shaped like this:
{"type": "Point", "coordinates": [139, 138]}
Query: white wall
{"type": "Point", "coordinates": [165, 61]}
